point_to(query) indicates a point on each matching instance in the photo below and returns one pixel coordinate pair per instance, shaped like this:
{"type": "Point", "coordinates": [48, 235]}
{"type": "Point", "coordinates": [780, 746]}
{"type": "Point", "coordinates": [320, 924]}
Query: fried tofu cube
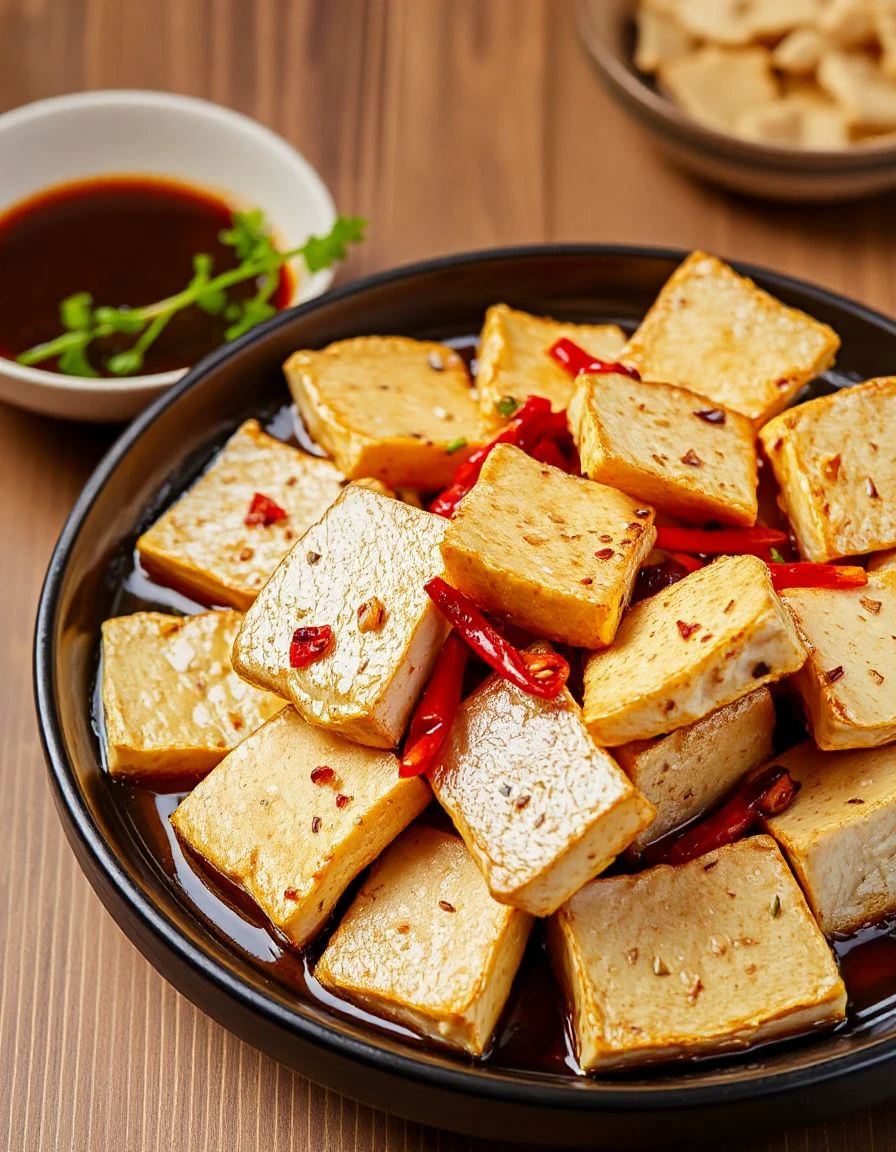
{"type": "Point", "coordinates": [882, 561]}
{"type": "Point", "coordinates": [686, 961]}
{"type": "Point", "coordinates": [665, 445]}
{"type": "Point", "coordinates": [424, 943]}
{"type": "Point", "coordinates": [173, 707]}
{"type": "Point", "coordinates": [835, 462]}
{"type": "Point", "coordinates": [715, 85]}
{"type": "Point", "coordinates": [388, 407]}
{"type": "Point", "coordinates": [795, 122]}
{"type": "Point", "coordinates": [718, 21]}
{"type": "Point", "coordinates": [688, 771]}
{"type": "Point", "coordinates": [556, 554]}
{"type": "Point", "coordinates": [513, 360]}
{"type": "Point", "coordinates": [710, 639]}
{"type": "Point", "coordinates": [848, 683]}
{"type": "Point", "coordinates": [866, 94]}
{"type": "Point", "coordinates": [715, 332]}
{"type": "Point", "coordinates": [541, 809]}
{"type": "Point", "coordinates": [770, 19]}
{"type": "Point", "coordinates": [368, 557]}
{"type": "Point", "coordinates": [202, 545]}
{"type": "Point", "coordinates": [848, 23]}
{"type": "Point", "coordinates": [292, 816]}
{"type": "Point", "coordinates": [840, 833]}
{"type": "Point", "coordinates": [661, 38]}
{"type": "Point", "coordinates": [799, 52]}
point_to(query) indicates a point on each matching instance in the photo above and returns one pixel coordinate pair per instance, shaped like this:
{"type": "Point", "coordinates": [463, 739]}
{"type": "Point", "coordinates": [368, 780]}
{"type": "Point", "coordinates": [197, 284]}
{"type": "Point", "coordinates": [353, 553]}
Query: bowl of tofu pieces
{"type": "Point", "coordinates": [782, 99]}
{"type": "Point", "coordinates": [477, 689]}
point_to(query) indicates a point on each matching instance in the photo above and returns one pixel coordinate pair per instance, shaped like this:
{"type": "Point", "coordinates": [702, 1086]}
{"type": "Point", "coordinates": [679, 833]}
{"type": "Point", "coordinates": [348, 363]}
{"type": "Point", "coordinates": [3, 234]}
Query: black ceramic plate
{"type": "Point", "coordinates": [157, 456]}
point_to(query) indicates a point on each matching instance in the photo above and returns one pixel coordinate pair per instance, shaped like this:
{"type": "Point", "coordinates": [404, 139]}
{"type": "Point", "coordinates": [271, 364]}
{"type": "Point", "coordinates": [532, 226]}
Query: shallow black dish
{"type": "Point", "coordinates": [155, 458]}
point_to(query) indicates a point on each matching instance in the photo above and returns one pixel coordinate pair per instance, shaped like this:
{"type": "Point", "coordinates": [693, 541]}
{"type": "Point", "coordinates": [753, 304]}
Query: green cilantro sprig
{"type": "Point", "coordinates": [249, 237]}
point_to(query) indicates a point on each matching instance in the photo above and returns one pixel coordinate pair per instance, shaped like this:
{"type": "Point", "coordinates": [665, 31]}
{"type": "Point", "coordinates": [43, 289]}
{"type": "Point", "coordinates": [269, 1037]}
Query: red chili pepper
{"type": "Point", "coordinates": [689, 563]}
{"type": "Point", "coordinates": [264, 511]}
{"type": "Point", "coordinates": [548, 451]}
{"type": "Point", "coordinates": [541, 674]}
{"type": "Point", "coordinates": [436, 710]}
{"type": "Point", "coordinates": [767, 794]}
{"type": "Point", "coordinates": [723, 541]}
{"type": "Point", "coordinates": [524, 431]}
{"type": "Point", "coordinates": [575, 360]}
{"type": "Point", "coordinates": [310, 644]}
{"type": "Point", "coordinates": [805, 575]}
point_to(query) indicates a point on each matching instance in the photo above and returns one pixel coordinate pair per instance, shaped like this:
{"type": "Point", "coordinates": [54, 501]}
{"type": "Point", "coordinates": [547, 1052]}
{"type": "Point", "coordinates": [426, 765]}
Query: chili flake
{"type": "Point", "coordinates": [834, 674]}
{"type": "Point", "coordinates": [309, 645]}
{"type": "Point", "coordinates": [870, 605]}
{"type": "Point", "coordinates": [322, 775]}
{"type": "Point", "coordinates": [691, 457]}
{"type": "Point", "coordinates": [264, 511]}
{"type": "Point", "coordinates": [315, 825]}
{"type": "Point", "coordinates": [342, 800]}
{"type": "Point", "coordinates": [604, 554]}
{"type": "Point", "coordinates": [686, 631]}
{"type": "Point", "coordinates": [446, 907]}
{"type": "Point", "coordinates": [371, 615]}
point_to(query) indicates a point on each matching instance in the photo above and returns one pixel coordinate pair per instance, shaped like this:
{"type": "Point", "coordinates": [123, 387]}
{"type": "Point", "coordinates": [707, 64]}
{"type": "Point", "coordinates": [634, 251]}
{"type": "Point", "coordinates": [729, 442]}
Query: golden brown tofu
{"type": "Point", "coordinates": [172, 704]}
{"type": "Point", "coordinates": [513, 360]}
{"type": "Point", "coordinates": [716, 333]}
{"type": "Point", "coordinates": [706, 957]}
{"type": "Point", "coordinates": [361, 570]}
{"type": "Point", "coordinates": [715, 85]}
{"type": "Point", "coordinates": [882, 561]}
{"type": "Point", "coordinates": [293, 814]}
{"type": "Point", "coordinates": [541, 809]}
{"type": "Point", "coordinates": [685, 773]}
{"type": "Point", "coordinates": [848, 683]}
{"type": "Point", "coordinates": [425, 945]}
{"type": "Point", "coordinates": [666, 446]}
{"type": "Point", "coordinates": [396, 409]}
{"type": "Point", "coordinates": [554, 553]}
{"type": "Point", "coordinates": [840, 833]}
{"type": "Point", "coordinates": [202, 544]}
{"type": "Point", "coordinates": [706, 641]}
{"type": "Point", "coordinates": [835, 461]}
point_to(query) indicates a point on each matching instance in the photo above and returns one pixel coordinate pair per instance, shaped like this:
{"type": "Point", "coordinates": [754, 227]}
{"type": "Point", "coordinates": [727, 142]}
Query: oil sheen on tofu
{"type": "Point", "coordinates": [840, 833]}
{"type": "Point", "coordinates": [292, 816]}
{"type": "Point", "coordinates": [425, 944]}
{"type": "Point", "coordinates": [202, 545]}
{"type": "Point", "coordinates": [387, 407]}
{"type": "Point", "coordinates": [553, 553]}
{"type": "Point", "coordinates": [541, 808]}
{"type": "Point", "coordinates": [716, 333]}
{"type": "Point", "coordinates": [367, 548]}
{"type": "Point", "coordinates": [513, 360]}
{"type": "Point", "coordinates": [173, 706]}
{"type": "Point", "coordinates": [697, 959]}
{"type": "Point", "coordinates": [706, 641]}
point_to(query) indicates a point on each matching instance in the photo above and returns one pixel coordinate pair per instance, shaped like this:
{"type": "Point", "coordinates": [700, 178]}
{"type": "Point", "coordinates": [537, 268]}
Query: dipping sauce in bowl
{"type": "Point", "coordinates": [127, 241]}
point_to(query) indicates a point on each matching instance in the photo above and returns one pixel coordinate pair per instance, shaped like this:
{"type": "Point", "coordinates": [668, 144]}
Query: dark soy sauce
{"type": "Point", "coordinates": [128, 241]}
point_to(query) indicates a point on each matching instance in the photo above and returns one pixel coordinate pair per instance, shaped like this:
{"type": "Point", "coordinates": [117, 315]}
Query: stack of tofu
{"type": "Point", "coordinates": [297, 786]}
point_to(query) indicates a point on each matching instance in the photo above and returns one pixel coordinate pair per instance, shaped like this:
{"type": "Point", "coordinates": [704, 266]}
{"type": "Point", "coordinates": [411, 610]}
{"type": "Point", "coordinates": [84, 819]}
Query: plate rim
{"type": "Point", "coordinates": [500, 1085]}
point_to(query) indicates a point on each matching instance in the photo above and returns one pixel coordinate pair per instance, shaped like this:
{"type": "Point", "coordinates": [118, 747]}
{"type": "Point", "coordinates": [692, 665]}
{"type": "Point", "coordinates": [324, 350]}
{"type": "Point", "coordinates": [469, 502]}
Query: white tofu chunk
{"type": "Point", "coordinates": [513, 360]}
{"type": "Point", "coordinates": [690, 770]}
{"type": "Point", "coordinates": [665, 445]}
{"type": "Point", "coordinates": [799, 53]}
{"type": "Point", "coordinates": [716, 333]}
{"type": "Point", "coordinates": [866, 94]}
{"type": "Point", "coordinates": [292, 816]}
{"type": "Point", "coordinates": [661, 38]}
{"type": "Point", "coordinates": [715, 636]}
{"type": "Point", "coordinates": [556, 554]}
{"type": "Point", "coordinates": [718, 21]}
{"type": "Point", "coordinates": [770, 19]}
{"type": "Point", "coordinates": [368, 556]}
{"type": "Point", "coordinates": [202, 545]}
{"type": "Point", "coordinates": [715, 85]}
{"type": "Point", "coordinates": [541, 809]}
{"type": "Point", "coordinates": [173, 706]}
{"type": "Point", "coordinates": [848, 23]}
{"type": "Point", "coordinates": [425, 945]}
{"type": "Point", "coordinates": [703, 958]}
{"type": "Point", "coordinates": [840, 833]}
{"type": "Point", "coordinates": [848, 683]}
{"type": "Point", "coordinates": [398, 410]}
{"type": "Point", "coordinates": [835, 462]}
{"type": "Point", "coordinates": [795, 122]}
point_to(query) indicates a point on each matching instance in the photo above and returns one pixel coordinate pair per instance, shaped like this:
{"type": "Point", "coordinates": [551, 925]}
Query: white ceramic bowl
{"type": "Point", "coordinates": [151, 133]}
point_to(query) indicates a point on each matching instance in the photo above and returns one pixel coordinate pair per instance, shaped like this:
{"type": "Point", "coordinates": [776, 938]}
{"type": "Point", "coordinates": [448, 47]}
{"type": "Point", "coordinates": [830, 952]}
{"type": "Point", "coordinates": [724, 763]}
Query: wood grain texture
{"type": "Point", "coordinates": [451, 124]}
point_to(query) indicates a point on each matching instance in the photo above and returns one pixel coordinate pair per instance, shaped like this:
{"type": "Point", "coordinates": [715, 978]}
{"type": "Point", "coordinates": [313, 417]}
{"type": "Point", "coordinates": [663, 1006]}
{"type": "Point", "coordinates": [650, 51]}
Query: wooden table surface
{"type": "Point", "coordinates": [451, 124]}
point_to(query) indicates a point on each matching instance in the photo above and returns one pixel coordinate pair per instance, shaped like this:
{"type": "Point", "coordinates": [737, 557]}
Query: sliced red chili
{"type": "Point", "coordinates": [264, 511]}
{"type": "Point", "coordinates": [689, 563]}
{"type": "Point", "coordinates": [767, 794]}
{"type": "Point", "coordinates": [548, 451]}
{"type": "Point", "coordinates": [575, 360]}
{"type": "Point", "coordinates": [539, 674]}
{"type": "Point", "coordinates": [805, 575]}
{"type": "Point", "coordinates": [310, 644]}
{"type": "Point", "coordinates": [718, 542]}
{"type": "Point", "coordinates": [436, 710]}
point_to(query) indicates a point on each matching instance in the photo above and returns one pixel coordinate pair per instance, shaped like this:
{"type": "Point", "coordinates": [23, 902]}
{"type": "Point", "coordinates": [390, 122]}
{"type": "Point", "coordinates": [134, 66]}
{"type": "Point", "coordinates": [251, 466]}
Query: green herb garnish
{"type": "Point", "coordinates": [259, 260]}
{"type": "Point", "coordinates": [507, 405]}
{"type": "Point", "coordinates": [776, 556]}
{"type": "Point", "coordinates": [456, 445]}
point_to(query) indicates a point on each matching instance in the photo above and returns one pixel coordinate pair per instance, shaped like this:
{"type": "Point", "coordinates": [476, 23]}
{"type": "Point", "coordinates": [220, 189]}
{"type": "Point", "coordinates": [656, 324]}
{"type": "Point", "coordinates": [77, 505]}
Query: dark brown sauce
{"type": "Point", "coordinates": [128, 241]}
{"type": "Point", "coordinates": [533, 1034]}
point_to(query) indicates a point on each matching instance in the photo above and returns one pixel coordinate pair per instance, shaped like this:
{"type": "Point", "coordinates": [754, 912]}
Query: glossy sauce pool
{"type": "Point", "coordinates": [533, 1033]}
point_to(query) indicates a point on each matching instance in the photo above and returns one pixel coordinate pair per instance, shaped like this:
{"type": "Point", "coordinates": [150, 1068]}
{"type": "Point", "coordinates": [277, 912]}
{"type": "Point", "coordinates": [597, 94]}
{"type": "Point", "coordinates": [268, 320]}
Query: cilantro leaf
{"type": "Point", "coordinates": [253, 312]}
{"type": "Point", "coordinates": [125, 320]}
{"type": "Point", "coordinates": [127, 363]}
{"type": "Point", "coordinates": [323, 251]}
{"type": "Point", "coordinates": [76, 313]}
{"type": "Point", "coordinates": [73, 362]}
